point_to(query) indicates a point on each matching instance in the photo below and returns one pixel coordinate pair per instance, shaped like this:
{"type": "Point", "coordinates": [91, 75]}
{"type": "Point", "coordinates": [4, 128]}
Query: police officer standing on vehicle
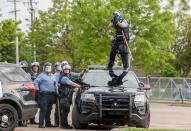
{"type": "Point", "coordinates": [46, 86]}
{"type": "Point", "coordinates": [66, 91]}
{"type": "Point", "coordinates": [33, 75]}
{"type": "Point", "coordinates": [118, 44]}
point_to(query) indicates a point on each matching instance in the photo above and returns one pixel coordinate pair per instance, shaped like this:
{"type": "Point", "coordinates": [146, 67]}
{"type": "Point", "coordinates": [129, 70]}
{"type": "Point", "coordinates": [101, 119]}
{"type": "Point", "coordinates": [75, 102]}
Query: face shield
{"type": "Point", "coordinates": [66, 69]}
{"type": "Point", "coordinates": [48, 69]}
{"type": "Point", "coordinates": [58, 68]}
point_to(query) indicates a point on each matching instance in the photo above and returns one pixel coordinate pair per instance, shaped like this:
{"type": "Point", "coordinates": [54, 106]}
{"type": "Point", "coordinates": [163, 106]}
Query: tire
{"type": "Point", "coordinates": [146, 123]}
{"type": "Point", "coordinates": [75, 119]}
{"type": "Point", "coordinates": [10, 116]}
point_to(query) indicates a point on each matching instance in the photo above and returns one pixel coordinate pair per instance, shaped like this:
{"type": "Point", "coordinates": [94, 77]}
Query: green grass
{"type": "Point", "coordinates": [135, 129]}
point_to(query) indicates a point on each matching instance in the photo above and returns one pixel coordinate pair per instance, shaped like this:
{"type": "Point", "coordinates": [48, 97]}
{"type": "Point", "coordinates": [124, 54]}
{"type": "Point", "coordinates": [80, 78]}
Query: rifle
{"type": "Point", "coordinates": [128, 49]}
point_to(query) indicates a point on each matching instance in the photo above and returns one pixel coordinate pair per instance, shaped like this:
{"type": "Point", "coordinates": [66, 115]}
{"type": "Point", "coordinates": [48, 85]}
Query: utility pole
{"type": "Point", "coordinates": [33, 18]}
{"type": "Point", "coordinates": [16, 39]}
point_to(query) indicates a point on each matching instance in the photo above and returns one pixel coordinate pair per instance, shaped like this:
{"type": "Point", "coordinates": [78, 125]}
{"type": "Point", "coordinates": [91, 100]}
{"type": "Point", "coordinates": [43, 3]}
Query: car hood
{"type": "Point", "coordinates": [113, 90]}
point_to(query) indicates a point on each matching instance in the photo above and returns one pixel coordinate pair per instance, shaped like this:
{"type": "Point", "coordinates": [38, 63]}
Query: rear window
{"type": "Point", "coordinates": [13, 74]}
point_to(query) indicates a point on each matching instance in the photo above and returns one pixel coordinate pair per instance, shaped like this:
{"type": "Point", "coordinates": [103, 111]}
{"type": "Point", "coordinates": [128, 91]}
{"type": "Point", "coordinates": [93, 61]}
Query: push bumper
{"type": "Point", "coordinates": [95, 118]}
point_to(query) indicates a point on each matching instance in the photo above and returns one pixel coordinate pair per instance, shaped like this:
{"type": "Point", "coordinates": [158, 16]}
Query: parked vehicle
{"type": "Point", "coordinates": [17, 101]}
{"type": "Point", "coordinates": [106, 100]}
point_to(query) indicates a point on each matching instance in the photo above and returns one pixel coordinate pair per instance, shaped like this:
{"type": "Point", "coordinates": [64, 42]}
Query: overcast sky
{"type": "Point", "coordinates": [6, 7]}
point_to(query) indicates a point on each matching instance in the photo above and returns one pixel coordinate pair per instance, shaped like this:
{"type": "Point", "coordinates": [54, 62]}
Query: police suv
{"type": "Point", "coordinates": [111, 101]}
{"type": "Point", "coordinates": [17, 94]}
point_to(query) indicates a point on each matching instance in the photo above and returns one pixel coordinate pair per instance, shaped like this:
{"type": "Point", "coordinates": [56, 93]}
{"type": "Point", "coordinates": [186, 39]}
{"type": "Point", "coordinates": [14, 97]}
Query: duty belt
{"type": "Point", "coordinates": [48, 93]}
{"type": "Point", "coordinates": [118, 35]}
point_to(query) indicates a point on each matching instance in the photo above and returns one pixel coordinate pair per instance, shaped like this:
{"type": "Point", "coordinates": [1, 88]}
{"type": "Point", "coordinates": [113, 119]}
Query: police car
{"type": "Point", "coordinates": [17, 94]}
{"type": "Point", "coordinates": [111, 101]}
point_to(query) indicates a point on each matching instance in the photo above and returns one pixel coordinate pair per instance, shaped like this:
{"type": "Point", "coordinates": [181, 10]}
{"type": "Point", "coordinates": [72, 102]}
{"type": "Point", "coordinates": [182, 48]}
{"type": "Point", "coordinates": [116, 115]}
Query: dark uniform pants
{"type": "Point", "coordinates": [65, 110]}
{"type": "Point", "coordinates": [45, 104]}
{"type": "Point", "coordinates": [121, 47]}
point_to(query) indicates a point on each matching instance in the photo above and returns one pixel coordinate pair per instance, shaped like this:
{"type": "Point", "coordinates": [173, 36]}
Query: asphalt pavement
{"type": "Point", "coordinates": [162, 116]}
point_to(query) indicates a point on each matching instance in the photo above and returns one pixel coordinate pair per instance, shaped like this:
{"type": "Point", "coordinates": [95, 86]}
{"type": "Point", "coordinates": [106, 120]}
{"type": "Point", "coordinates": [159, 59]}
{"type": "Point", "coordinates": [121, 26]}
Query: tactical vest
{"type": "Point", "coordinates": [34, 76]}
{"type": "Point", "coordinates": [120, 29]}
{"type": "Point", "coordinates": [64, 89]}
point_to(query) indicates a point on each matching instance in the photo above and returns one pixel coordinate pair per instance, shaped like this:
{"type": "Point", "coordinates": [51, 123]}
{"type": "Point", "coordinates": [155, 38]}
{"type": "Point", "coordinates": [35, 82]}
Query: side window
{"type": "Point", "coordinates": [3, 79]}
{"type": "Point", "coordinates": [1, 92]}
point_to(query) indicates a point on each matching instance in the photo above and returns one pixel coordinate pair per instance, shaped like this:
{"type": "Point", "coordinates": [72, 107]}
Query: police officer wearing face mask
{"type": "Point", "coordinates": [33, 75]}
{"type": "Point", "coordinates": [58, 69]}
{"type": "Point", "coordinates": [66, 91]}
{"type": "Point", "coordinates": [35, 70]}
{"type": "Point", "coordinates": [24, 65]}
{"type": "Point", "coordinates": [46, 86]}
{"type": "Point", "coordinates": [122, 32]}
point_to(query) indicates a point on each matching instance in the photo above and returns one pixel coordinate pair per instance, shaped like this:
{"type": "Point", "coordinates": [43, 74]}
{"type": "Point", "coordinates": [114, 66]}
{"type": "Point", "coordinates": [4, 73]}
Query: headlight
{"type": "Point", "coordinates": [140, 98]}
{"type": "Point", "coordinates": [140, 101]}
{"type": "Point", "coordinates": [88, 97]}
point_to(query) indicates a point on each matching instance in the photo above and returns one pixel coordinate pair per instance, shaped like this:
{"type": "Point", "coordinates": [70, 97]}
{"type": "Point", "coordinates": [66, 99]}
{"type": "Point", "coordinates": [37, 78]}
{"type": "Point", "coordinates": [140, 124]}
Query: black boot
{"type": "Point", "coordinates": [112, 74]}
{"type": "Point", "coordinates": [41, 126]}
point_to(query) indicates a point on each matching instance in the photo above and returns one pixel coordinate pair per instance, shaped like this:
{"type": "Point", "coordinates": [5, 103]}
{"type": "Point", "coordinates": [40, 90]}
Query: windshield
{"type": "Point", "coordinates": [102, 78]}
{"type": "Point", "coordinates": [11, 73]}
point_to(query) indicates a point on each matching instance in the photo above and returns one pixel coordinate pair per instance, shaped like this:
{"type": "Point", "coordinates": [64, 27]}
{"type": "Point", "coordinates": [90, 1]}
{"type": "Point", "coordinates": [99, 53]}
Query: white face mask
{"type": "Point", "coordinates": [48, 69]}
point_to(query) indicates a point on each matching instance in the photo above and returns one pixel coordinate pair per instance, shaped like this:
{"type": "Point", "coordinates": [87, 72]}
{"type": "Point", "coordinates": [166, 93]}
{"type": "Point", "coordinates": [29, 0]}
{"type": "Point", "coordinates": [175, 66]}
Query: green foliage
{"type": "Point", "coordinates": [8, 33]}
{"type": "Point", "coordinates": [88, 41]}
{"type": "Point", "coordinates": [77, 31]}
{"type": "Point", "coordinates": [7, 40]}
{"type": "Point", "coordinates": [182, 48]}
{"type": "Point", "coordinates": [169, 71]}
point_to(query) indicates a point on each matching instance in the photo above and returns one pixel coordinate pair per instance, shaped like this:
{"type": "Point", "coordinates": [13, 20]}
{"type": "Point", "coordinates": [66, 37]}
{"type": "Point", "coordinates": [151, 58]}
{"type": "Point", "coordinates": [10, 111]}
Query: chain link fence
{"type": "Point", "coordinates": [168, 89]}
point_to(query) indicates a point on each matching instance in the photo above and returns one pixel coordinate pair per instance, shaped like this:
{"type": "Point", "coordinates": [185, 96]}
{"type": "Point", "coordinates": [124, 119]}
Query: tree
{"type": "Point", "coordinates": [88, 41]}
{"type": "Point", "coordinates": [8, 32]}
{"type": "Point", "coordinates": [7, 37]}
{"type": "Point", "coordinates": [49, 31]}
{"type": "Point", "coordinates": [182, 47]}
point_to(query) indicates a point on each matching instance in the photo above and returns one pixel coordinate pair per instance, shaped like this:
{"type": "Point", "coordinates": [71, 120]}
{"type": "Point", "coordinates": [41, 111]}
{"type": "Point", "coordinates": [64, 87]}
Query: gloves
{"type": "Point", "coordinates": [114, 22]}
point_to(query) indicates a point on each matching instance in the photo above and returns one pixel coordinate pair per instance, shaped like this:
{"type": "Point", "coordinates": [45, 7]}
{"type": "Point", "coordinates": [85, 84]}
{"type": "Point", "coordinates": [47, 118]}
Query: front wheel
{"type": "Point", "coordinates": [146, 123]}
{"type": "Point", "coordinates": [75, 119]}
{"type": "Point", "coordinates": [8, 117]}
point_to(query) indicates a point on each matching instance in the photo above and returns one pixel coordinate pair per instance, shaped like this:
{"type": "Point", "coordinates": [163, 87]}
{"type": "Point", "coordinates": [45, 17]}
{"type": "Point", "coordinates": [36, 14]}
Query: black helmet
{"type": "Point", "coordinates": [23, 64]}
{"type": "Point", "coordinates": [116, 14]}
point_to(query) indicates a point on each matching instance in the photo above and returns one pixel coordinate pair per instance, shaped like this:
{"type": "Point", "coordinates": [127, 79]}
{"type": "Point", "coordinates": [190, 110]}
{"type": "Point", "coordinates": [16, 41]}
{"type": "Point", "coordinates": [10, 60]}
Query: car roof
{"type": "Point", "coordinates": [98, 70]}
{"type": "Point", "coordinates": [8, 64]}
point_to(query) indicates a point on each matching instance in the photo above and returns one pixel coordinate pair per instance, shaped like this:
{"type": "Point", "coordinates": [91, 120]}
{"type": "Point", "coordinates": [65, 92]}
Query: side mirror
{"type": "Point", "coordinates": [141, 85]}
